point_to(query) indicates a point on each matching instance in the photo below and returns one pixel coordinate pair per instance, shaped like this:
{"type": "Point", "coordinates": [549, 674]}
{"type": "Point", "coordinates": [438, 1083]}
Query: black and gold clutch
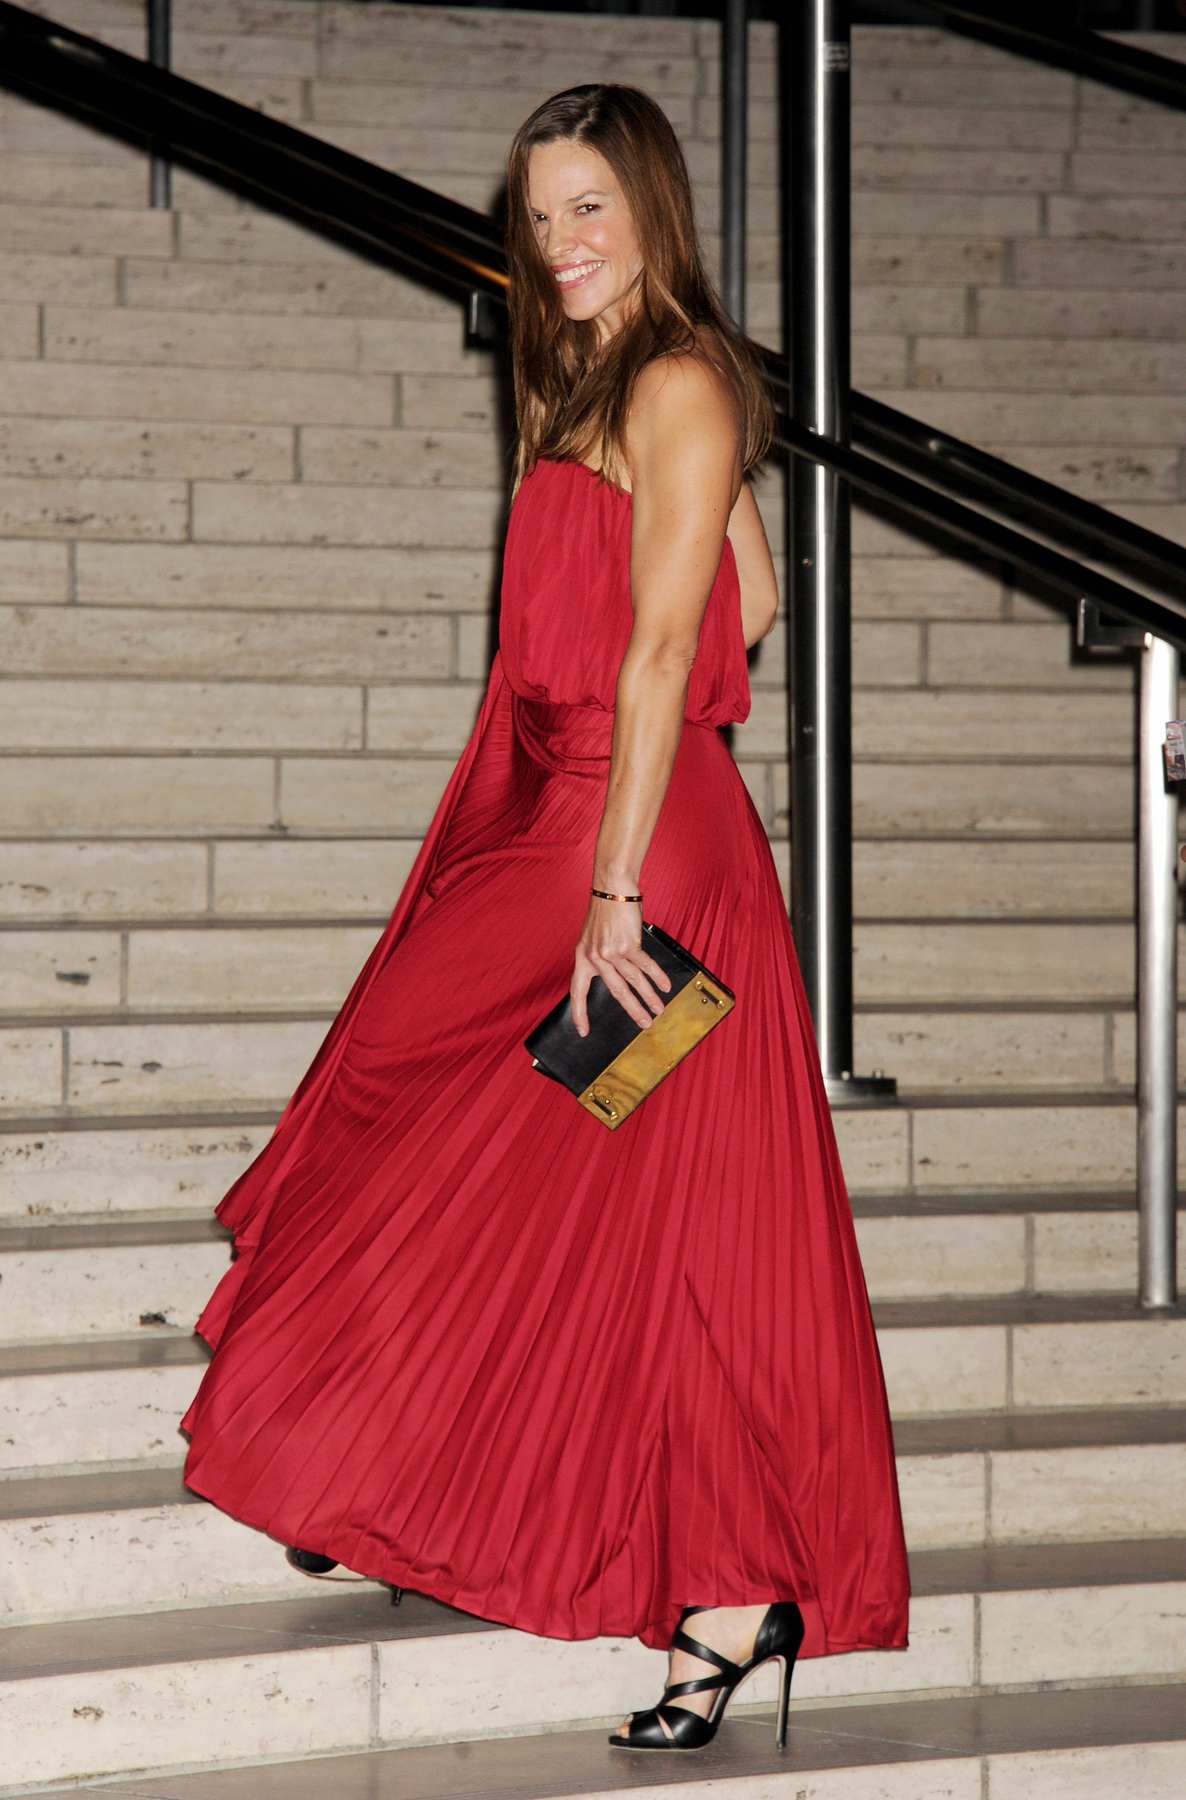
{"type": "Point", "coordinates": [614, 1069]}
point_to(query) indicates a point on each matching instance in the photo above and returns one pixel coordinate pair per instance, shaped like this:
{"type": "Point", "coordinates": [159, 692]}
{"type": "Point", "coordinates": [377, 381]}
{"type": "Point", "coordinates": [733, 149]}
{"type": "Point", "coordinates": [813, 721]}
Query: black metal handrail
{"type": "Point", "coordinates": [409, 227]}
{"type": "Point", "coordinates": [1081, 51]}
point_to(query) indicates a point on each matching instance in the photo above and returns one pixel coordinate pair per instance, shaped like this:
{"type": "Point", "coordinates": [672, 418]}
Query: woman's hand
{"type": "Point", "coordinates": [611, 946]}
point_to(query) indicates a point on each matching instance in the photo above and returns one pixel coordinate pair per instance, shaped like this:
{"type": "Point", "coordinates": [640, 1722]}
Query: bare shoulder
{"type": "Point", "coordinates": [683, 387]}
{"type": "Point", "coordinates": [681, 400]}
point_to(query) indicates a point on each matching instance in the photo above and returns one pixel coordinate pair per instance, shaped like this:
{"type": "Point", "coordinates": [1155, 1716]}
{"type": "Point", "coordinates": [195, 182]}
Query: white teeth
{"type": "Point", "coordinates": [577, 274]}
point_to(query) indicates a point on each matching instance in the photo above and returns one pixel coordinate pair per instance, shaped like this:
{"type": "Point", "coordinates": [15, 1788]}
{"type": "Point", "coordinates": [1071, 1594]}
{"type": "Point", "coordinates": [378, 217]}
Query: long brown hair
{"type": "Point", "coordinates": [571, 396]}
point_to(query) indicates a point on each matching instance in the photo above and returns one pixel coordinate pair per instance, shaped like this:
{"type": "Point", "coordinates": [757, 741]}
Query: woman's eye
{"type": "Point", "coordinates": [591, 204]}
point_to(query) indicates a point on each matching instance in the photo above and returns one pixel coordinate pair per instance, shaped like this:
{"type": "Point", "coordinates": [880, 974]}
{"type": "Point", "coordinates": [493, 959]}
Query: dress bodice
{"type": "Point", "coordinates": [566, 612]}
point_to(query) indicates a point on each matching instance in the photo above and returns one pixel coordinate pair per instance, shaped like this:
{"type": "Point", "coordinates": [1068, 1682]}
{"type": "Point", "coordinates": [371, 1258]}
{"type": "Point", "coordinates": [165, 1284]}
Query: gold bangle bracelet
{"type": "Point", "coordinates": [602, 895]}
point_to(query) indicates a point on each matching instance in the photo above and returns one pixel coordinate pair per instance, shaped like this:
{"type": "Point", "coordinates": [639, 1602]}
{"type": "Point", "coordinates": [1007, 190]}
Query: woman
{"type": "Point", "coordinates": [580, 1381]}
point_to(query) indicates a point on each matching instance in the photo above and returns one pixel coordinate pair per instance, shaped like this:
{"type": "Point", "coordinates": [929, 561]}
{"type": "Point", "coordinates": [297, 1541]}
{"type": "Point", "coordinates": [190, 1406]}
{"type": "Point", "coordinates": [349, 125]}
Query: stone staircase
{"type": "Point", "coordinates": [251, 498]}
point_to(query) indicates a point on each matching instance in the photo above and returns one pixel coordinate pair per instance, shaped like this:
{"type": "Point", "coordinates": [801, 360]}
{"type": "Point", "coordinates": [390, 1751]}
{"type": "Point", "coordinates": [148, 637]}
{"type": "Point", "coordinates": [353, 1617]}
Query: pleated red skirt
{"type": "Point", "coordinates": [476, 1344]}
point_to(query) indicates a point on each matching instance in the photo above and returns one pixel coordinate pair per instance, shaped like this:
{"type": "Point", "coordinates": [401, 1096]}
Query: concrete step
{"type": "Point", "coordinates": [255, 966]}
{"type": "Point", "coordinates": [988, 1747]}
{"type": "Point", "coordinates": [137, 1157]}
{"type": "Point", "coordinates": [288, 1678]}
{"type": "Point", "coordinates": [115, 1275]}
{"type": "Point", "coordinates": [92, 1401]}
{"type": "Point", "coordinates": [100, 881]}
{"type": "Point", "coordinates": [136, 1539]}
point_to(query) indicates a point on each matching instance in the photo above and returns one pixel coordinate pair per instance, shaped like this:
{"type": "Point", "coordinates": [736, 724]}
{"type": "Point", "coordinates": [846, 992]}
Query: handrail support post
{"type": "Point", "coordinates": [1157, 981]}
{"type": "Point", "coordinates": [816, 47]}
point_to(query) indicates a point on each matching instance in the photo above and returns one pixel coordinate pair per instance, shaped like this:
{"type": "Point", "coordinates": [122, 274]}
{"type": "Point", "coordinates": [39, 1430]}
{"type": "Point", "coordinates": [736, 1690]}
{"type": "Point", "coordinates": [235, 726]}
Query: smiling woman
{"type": "Point", "coordinates": [582, 1382]}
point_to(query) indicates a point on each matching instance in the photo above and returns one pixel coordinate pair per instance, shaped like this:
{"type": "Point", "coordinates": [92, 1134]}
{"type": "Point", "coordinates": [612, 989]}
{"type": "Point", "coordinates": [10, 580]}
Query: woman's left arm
{"type": "Point", "coordinates": [683, 448]}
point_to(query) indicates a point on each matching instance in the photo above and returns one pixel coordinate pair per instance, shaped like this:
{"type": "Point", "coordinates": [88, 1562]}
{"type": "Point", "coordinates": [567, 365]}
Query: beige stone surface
{"type": "Point", "coordinates": [76, 1293]}
{"type": "Point", "coordinates": [1056, 801]}
{"type": "Point", "coordinates": [962, 724]}
{"type": "Point", "coordinates": [1108, 1491]}
{"type": "Point", "coordinates": [123, 334]}
{"type": "Point", "coordinates": [71, 508]}
{"type": "Point", "coordinates": [373, 793]}
{"type": "Point", "coordinates": [261, 967]}
{"type": "Point", "coordinates": [882, 256]}
{"type": "Point", "coordinates": [85, 1565]}
{"type": "Point", "coordinates": [94, 1416]}
{"type": "Point", "coordinates": [54, 181]}
{"type": "Point", "coordinates": [1084, 1633]}
{"type": "Point", "coordinates": [101, 880]}
{"type": "Point", "coordinates": [325, 513]}
{"type": "Point", "coordinates": [30, 1068]}
{"type": "Point", "coordinates": [270, 1705]}
{"type": "Point", "coordinates": [1007, 878]}
{"type": "Point", "coordinates": [77, 279]}
{"type": "Point", "coordinates": [1017, 655]}
{"type": "Point", "coordinates": [1118, 218]}
{"type": "Point", "coordinates": [241, 396]}
{"type": "Point", "coordinates": [308, 288]}
{"type": "Point", "coordinates": [423, 717]}
{"type": "Point", "coordinates": [83, 795]}
{"type": "Point", "coordinates": [1138, 1771]}
{"type": "Point", "coordinates": [1067, 262]}
{"type": "Point", "coordinates": [943, 1501]}
{"type": "Point", "coordinates": [969, 1051]}
{"type": "Point", "coordinates": [1037, 363]}
{"type": "Point", "coordinates": [241, 1064]}
{"type": "Point", "coordinates": [1094, 1252]}
{"type": "Point", "coordinates": [141, 715]}
{"type": "Point", "coordinates": [944, 1369]}
{"type": "Point", "coordinates": [1130, 312]}
{"type": "Point", "coordinates": [285, 576]}
{"type": "Point", "coordinates": [980, 127]}
{"type": "Point", "coordinates": [1138, 1362]}
{"type": "Point", "coordinates": [477, 640]}
{"type": "Point", "coordinates": [923, 1258]}
{"type": "Point", "coordinates": [972, 85]}
{"type": "Point", "coordinates": [996, 962]}
{"type": "Point", "coordinates": [231, 645]}
{"type": "Point", "coordinates": [1024, 420]}
{"type": "Point", "coordinates": [34, 571]}
{"type": "Point", "coordinates": [1104, 474]}
{"type": "Point", "coordinates": [432, 459]}
{"type": "Point", "coordinates": [224, 235]}
{"type": "Point", "coordinates": [152, 450]}
{"type": "Point", "coordinates": [336, 878]}
{"type": "Point", "coordinates": [59, 971]}
{"type": "Point", "coordinates": [85, 230]}
{"type": "Point", "coordinates": [874, 1148]}
{"type": "Point", "coordinates": [20, 330]}
{"type": "Point", "coordinates": [136, 1168]}
{"type": "Point", "coordinates": [448, 402]}
{"type": "Point", "coordinates": [1024, 1146]}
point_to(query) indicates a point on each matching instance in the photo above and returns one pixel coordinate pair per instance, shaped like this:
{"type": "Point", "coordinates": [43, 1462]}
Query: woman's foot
{"type": "Point", "coordinates": [730, 1630]}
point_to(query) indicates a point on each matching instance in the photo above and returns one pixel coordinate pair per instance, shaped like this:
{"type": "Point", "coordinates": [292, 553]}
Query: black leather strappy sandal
{"type": "Point", "coordinates": [779, 1635]}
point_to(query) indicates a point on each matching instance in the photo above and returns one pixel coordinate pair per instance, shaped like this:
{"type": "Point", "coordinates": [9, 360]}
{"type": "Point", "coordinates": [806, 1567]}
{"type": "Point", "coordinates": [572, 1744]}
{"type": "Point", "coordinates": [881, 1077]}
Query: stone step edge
{"type": "Point", "coordinates": [60, 1493]}
{"type": "Point", "coordinates": [988, 1728]}
{"type": "Point", "coordinates": [156, 1345]}
{"type": "Point", "coordinates": [253, 1625]}
{"type": "Point", "coordinates": [136, 1230]}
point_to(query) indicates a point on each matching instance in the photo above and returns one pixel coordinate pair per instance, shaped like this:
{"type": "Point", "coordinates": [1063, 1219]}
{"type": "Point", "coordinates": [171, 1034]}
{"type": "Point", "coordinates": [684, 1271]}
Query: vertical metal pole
{"type": "Point", "coordinates": [817, 108]}
{"type": "Point", "coordinates": [734, 138]}
{"type": "Point", "coordinates": [1157, 982]}
{"type": "Point", "coordinates": [160, 54]}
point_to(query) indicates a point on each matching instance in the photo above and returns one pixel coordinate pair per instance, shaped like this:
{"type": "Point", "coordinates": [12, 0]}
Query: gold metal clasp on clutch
{"type": "Point", "coordinates": [600, 1098]}
{"type": "Point", "coordinates": [707, 996]}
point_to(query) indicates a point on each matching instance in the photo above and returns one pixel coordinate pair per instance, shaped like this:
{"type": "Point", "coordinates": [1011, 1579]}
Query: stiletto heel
{"type": "Point", "coordinates": [779, 1635]}
{"type": "Point", "coordinates": [784, 1702]}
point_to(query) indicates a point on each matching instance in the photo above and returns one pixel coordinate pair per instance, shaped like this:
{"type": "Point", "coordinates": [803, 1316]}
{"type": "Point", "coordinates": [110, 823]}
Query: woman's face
{"type": "Point", "coordinates": [581, 218]}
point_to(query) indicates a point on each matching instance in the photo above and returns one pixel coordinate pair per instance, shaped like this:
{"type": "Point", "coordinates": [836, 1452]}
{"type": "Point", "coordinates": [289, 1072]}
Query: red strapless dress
{"type": "Point", "coordinates": [477, 1345]}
